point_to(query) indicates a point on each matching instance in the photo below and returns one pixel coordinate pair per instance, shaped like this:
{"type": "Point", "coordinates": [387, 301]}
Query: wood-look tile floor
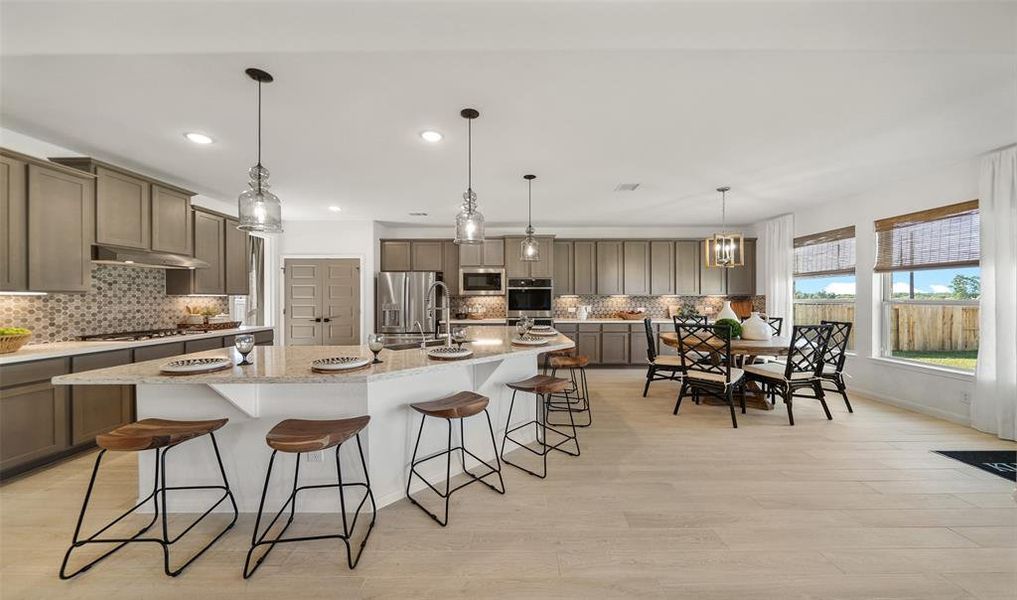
{"type": "Point", "coordinates": [657, 506]}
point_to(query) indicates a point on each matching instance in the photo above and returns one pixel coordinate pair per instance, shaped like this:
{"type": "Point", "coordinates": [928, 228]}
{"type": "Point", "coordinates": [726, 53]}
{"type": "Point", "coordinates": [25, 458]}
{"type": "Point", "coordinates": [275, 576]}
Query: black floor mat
{"type": "Point", "coordinates": [997, 462]}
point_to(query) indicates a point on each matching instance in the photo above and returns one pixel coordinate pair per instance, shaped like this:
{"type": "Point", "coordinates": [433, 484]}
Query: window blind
{"type": "Point", "coordinates": [937, 238]}
{"type": "Point", "coordinates": [827, 253]}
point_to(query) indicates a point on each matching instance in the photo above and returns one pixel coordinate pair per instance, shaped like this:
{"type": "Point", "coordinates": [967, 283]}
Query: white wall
{"type": "Point", "coordinates": [332, 239]}
{"type": "Point", "coordinates": [937, 393]}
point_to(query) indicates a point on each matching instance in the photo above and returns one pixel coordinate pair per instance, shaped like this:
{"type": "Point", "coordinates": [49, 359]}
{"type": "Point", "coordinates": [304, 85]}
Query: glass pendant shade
{"type": "Point", "coordinates": [469, 221]}
{"type": "Point", "coordinates": [259, 209]}
{"type": "Point", "coordinates": [725, 250]}
{"type": "Point", "coordinates": [529, 248]}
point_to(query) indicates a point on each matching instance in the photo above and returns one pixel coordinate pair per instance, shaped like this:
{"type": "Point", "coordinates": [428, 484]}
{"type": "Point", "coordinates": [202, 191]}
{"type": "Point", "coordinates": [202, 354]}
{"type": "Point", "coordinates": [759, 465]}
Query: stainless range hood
{"type": "Point", "coordinates": [114, 255]}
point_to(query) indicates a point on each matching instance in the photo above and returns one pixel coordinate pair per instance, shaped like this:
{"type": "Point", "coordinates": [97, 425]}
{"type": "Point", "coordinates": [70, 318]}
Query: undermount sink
{"type": "Point", "coordinates": [408, 342]}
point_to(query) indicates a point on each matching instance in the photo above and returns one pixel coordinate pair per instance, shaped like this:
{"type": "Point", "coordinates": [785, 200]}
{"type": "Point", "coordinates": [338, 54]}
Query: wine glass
{"type": "Point", "coordinates": [244, 344]}
{"type": "Point", "coordinates": [459, 336]}
{"type": "Point", "coordinates": [376, 342]}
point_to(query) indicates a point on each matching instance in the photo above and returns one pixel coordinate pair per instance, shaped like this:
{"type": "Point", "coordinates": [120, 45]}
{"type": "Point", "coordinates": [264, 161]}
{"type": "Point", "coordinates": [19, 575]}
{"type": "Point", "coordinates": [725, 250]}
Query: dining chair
{"type": "Point", "coordinates": [659, 368]}
{"type": "Point", "coordinates": [713, 377]}
{"type": "Point", "coordinates": [836, 355]}
{"type": "Point", "coordinates": [802, 368]}
{"type": "Point", "coordinates": [776, 324]}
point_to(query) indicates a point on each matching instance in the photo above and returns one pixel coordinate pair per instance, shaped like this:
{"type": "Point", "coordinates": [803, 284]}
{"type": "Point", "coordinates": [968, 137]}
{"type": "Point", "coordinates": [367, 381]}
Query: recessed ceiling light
{"type": "Point", "coordinates": [198, 138]}
{"type": "Point", "coordinates": [431, 136]}
{"type": "Point", "coordinates": [335, 208]}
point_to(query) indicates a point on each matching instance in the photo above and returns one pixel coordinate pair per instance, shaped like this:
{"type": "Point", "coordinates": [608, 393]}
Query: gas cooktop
{"type": "Point", "coordinates": [136, 336]}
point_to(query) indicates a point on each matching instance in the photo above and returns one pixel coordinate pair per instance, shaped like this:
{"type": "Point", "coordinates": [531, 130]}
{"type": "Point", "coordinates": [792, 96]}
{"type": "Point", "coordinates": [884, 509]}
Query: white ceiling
{"type": "Point", "coordinates": [790, 104]}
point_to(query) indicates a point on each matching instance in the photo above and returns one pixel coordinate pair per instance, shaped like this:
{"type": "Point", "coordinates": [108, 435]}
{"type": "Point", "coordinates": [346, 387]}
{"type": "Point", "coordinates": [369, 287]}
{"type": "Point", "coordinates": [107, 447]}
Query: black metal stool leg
{"type": "Point", "coordinates": [350, 560]}
{"type": "Point", "coordinates": [539, 424]}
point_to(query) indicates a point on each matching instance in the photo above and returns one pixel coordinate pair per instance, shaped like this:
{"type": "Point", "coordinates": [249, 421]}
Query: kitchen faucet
{"type": "Point", "coordinates": [431, 308]}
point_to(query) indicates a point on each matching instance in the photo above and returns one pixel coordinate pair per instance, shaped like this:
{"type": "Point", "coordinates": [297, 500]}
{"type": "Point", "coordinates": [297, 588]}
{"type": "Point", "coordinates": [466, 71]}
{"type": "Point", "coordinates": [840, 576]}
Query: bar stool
{"type": "Point", "coordinates": [546, 365]}
{"type": "Point", "coordinates": [296, 436]}
{"type": "Point", "coordinates": [578, 394]}
{"type": "Point", "coordinates": [160, 435]}
{"type": "Point", "coordinates": [542, 387]}
{"type": "Point", "coordinates": [458, 407]}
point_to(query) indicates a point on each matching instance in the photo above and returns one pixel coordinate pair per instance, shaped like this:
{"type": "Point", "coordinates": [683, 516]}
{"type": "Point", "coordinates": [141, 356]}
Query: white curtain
{"type": "Point", "coordinates": [778, 268]}
{"type": "Point", "coordinates": [994, 409]}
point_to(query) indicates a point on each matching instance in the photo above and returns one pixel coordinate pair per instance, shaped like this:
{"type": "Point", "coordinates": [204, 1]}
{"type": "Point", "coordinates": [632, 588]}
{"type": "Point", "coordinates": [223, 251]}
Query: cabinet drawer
{"type": "Point", "coordinates": [161, 351]}
{"type": "Point", "coordinates": [566, 327]}
{"type": "Point", "coordinates": [30, 372]}
{"type": "Point", "coordinates": [640, 327]}
{"type": "Point", "coordinates": [592, 327]}
{"type": "Point", "coordinates": [264, 337]}
{"type": "Point", "coordinates": [201, 345]}
{"type": "Point", "coordinates": [616, 327]}
{"type": "Point", "coordinates": [100, 360]}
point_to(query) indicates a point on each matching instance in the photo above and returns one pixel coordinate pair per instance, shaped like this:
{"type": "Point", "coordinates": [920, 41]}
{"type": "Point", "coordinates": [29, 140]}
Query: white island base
{"type": "Point", "coordinates": [254, 408]}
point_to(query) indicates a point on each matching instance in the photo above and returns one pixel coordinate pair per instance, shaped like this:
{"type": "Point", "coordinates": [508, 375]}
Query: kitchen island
{"type": "Point", "coordinates": [281, 385]}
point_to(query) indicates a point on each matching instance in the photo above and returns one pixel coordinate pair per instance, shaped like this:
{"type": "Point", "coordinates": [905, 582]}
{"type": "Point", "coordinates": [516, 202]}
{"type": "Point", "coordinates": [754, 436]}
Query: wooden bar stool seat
{"type": "Point", "coordinates": [540, 384]}
{"type": "Point", "coordinates": [296, 436]}
{"type": "Point", "coordinates": [161, 435]}
{"type": "Point", "coordinates": [456, 406]}
{"type": "Point", "coordinates": [305, 435]}
{"type": "Point", "coordinates": [148, 434]}
{"type": "Point", "coordinates": [570, 362]}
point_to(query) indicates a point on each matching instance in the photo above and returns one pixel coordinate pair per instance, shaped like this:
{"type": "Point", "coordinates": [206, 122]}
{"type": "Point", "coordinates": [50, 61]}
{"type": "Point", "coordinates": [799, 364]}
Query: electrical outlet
{"type": "Point", "coordinates": [572, 309]}
{"type": "Point", "coordinates": [316, 457]}
{"type": "Point", "coordinates": [965, 398]}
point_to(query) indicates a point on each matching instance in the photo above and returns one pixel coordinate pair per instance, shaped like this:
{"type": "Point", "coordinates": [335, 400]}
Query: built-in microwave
{"type": "Point", "coordinates": [481, 281]}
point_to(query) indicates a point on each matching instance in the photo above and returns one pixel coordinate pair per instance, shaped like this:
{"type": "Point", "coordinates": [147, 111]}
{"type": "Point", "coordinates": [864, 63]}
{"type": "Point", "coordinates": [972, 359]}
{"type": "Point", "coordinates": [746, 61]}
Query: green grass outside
{"type": "Point", "coordinates": [959, 359]}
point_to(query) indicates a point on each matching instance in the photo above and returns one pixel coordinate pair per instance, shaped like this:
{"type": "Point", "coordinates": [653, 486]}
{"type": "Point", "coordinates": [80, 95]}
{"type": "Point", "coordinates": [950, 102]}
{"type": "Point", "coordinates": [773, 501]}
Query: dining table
{"type": "Point", "coordinates": [746, 351]}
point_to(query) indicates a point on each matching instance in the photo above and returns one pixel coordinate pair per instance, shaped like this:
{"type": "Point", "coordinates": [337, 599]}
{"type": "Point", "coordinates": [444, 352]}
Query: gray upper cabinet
{"type": "Point", "coordinates": [171, 221]}
{"type": "Point", "coordinates": [123, 206]}
{"type": "Point", "coordinates": [209, 246]}
{"type": "Point", "coordinates": [396, 255]}
{"type": "Point", "coordinates": [426, 255]}
{"type": "Point", "coordinates": [585, 270]}
{"type": "Point", "coordinates": [61, 222]}
{"type": "Point", "coordinates": [563, 273]}
{"type": "Point", "coordinates": [236, 256]}
{"type": "Point", "coordinates": [491, 253]}
{"type": "Point", "coordinates": [516, 267]}
{"type": "Point", "coordinates": [662, 269]}
{"type": "Point", "coordinates": [545, 266]}
{"type": "Point", "coordinates": [712, 280]}
{"type": "Point", "coordinates": [450, 267]}
{"type": "Point", "coordinates": [686, 267]}
{"type": "Point", "coordinates": [636, 268]}
{"type": "Point", "coordinates": [13, 224]}
{"type": "Point", "coordinates": [610, 268]}
{"type": "Point", "coordinates": [741, 281]}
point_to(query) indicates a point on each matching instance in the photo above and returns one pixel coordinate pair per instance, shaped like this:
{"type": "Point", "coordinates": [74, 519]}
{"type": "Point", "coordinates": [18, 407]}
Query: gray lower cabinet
{"type": "Point", "coordinates": [562, 276]}
{"type": "Point", "coordinates": [264, 338]}
{"type": "Point", "coordinates": [662, 268]}
{"type": "Point", "coordinates": [614, 344]}
{"type": "Point", "coordinates": [203, 344]}
{"type": "Point", "coordinates": [96, 409]}
{"type": "Point", "coordinates": [161, 351]}
{"type": "Point", "coordinates": [588, 344]}
{"type": "Point", "coordinates": [61, 223]}
{"type": "Point", "coordinates": [585, 270]}
{"type": "Point", "coordinates": [637, 348]}
{"type": "Point", "coordinates": [686, 267]}
{"type": "Point", "coordinates": [34, 415]}
{"type": "Point", "coordinates": [636, 268]}
{"type": "Point", "coordinates": [13, 224]}
{"type": "Point", "coordinates": [610, 268]}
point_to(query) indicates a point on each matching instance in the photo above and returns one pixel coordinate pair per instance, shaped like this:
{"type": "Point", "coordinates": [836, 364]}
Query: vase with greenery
{"type": "Point", "coordinates": [731, 327]}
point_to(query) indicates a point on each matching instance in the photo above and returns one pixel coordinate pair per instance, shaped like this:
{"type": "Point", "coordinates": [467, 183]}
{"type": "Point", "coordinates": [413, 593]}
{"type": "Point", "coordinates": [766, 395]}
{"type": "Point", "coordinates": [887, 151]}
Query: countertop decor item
{"type": "Point", "coordinates": [449, 353]}
{"type": "Point", "coordinates": [469, 221]}
{"type": "Point", "coordinates": [727, 312]}
{"type": "Point", "coordinates": [193, 366]}
{"type": "Point", "coordinates": [258, 208]}
{"type": "Point", "coordinates": [209, 326]}
{"type": "Point", "coordinates": [13, 338]}
{"type": "Point", "coordinates": [583, 311]}
{"type": "Point", "coordinates": [529, 340]}
{"type": "Point", "coordinates": [543, 332]}
{"type": "Point", "coordinates": [339, 363]}
{"type": "Point", "coordinates": [529, 248]}
{"type": "Point", "coordinates": [725, 249]}
{"type": "Point", "coordinates": [244, 345]}
{"type": "Point", "coordinates": [375, 343]}
{"type": "Point", "coordinates": [733, 326]}
{"type": "Point", "coordinates": [631, 315]}
{"type": "Point", "coordinates": [755, 328]}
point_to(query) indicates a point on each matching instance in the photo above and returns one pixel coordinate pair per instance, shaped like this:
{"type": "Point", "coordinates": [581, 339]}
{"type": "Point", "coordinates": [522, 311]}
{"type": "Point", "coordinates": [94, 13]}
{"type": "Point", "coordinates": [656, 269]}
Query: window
{"type": "Point", "coordinates": [824, 278]}
{"type": "Point", "coordinates": [930, 285]}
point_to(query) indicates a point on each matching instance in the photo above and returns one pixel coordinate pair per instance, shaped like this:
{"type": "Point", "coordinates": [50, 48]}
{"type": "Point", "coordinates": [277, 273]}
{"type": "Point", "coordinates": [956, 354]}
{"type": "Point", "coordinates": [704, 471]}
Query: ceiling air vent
{"type": "Point", "coordinates": [418, 214]}
{"type": "Point", "coordinates": [626, 187]}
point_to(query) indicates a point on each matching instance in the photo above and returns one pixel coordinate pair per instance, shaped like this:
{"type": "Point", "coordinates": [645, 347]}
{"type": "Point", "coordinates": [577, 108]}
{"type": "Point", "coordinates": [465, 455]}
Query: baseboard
{"type": "Point", "coordinates": [911, 406]}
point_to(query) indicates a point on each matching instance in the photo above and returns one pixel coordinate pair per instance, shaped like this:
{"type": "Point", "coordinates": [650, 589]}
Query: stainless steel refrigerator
{"type": "Point", "coordinates": [402, 301]}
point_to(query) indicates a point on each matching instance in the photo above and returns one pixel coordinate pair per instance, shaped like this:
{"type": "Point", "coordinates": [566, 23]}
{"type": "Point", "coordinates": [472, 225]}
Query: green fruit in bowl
{"type": "Point", "coordinates": [734, 328]}
{"type": "Point", "coordinates": [14, 331]}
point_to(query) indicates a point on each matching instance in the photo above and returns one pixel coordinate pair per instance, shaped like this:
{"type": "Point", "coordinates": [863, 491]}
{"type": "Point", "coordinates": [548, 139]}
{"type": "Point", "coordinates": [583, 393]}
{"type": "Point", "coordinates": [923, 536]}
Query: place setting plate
{"type": "Point", "coordinates": [340, 364]}
{"type": "Point", "coordinates": [193, 366]}
{"type": "Point", "coordinates": [449, 353]}
{"type": "Point", "coordinates": [529, 340]}
{"type": "Point", "coordinates": [550, 332]}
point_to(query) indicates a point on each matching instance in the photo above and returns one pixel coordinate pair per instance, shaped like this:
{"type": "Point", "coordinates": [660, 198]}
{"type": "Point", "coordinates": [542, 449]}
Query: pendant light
{"type": "Point", "coordinates": [724, 249]}
{"type": "Point", "coordinates": [259, 209]}
{"type": "Point", "coordinates": [469, 221]}
{"type": "Point", "coordinates": [529, 248]}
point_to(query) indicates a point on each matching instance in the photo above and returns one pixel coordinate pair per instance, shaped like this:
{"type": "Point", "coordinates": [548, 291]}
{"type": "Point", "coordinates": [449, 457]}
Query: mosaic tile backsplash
{"type": "Point", "coordinates": [121, 299]}
{"type": "Point", "coordinates": [604, 307]}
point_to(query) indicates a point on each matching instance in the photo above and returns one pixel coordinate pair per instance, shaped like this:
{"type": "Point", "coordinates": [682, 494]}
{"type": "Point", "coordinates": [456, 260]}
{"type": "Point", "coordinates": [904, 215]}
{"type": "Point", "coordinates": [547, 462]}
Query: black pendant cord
{"type": "Point", "coordinates": [259, 127]}
{"type": "Point", "coordinates": [529, 204]}
{"type": "Point", "coordinates": [723, 210]}
{"type": "Point", "coordinates": [469, 163]}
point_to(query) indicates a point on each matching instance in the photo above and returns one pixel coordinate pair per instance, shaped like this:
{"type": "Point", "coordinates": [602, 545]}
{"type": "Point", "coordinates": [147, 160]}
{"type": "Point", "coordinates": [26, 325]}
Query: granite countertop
{"type": "Point", "coordinates": [491, 321]}
{"type": "Point", "coordinates": [292, 364]}
{"type": "Point", "coordinates": [59, 349]}
{"type": "Point", "coordinates": [596, 320]}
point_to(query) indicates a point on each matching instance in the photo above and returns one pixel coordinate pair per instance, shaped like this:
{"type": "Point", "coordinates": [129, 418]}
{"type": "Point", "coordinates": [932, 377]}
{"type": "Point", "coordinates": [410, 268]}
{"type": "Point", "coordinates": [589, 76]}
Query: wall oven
{"type": "Point", "coordinates": [481, 281]}
{"type": "Point", "coordinates": [530, 298]}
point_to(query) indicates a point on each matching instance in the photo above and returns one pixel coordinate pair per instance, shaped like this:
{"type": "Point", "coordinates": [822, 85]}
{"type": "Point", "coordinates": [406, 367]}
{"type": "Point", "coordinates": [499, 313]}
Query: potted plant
{"type": "Point", "coordinates": [733, 328]}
